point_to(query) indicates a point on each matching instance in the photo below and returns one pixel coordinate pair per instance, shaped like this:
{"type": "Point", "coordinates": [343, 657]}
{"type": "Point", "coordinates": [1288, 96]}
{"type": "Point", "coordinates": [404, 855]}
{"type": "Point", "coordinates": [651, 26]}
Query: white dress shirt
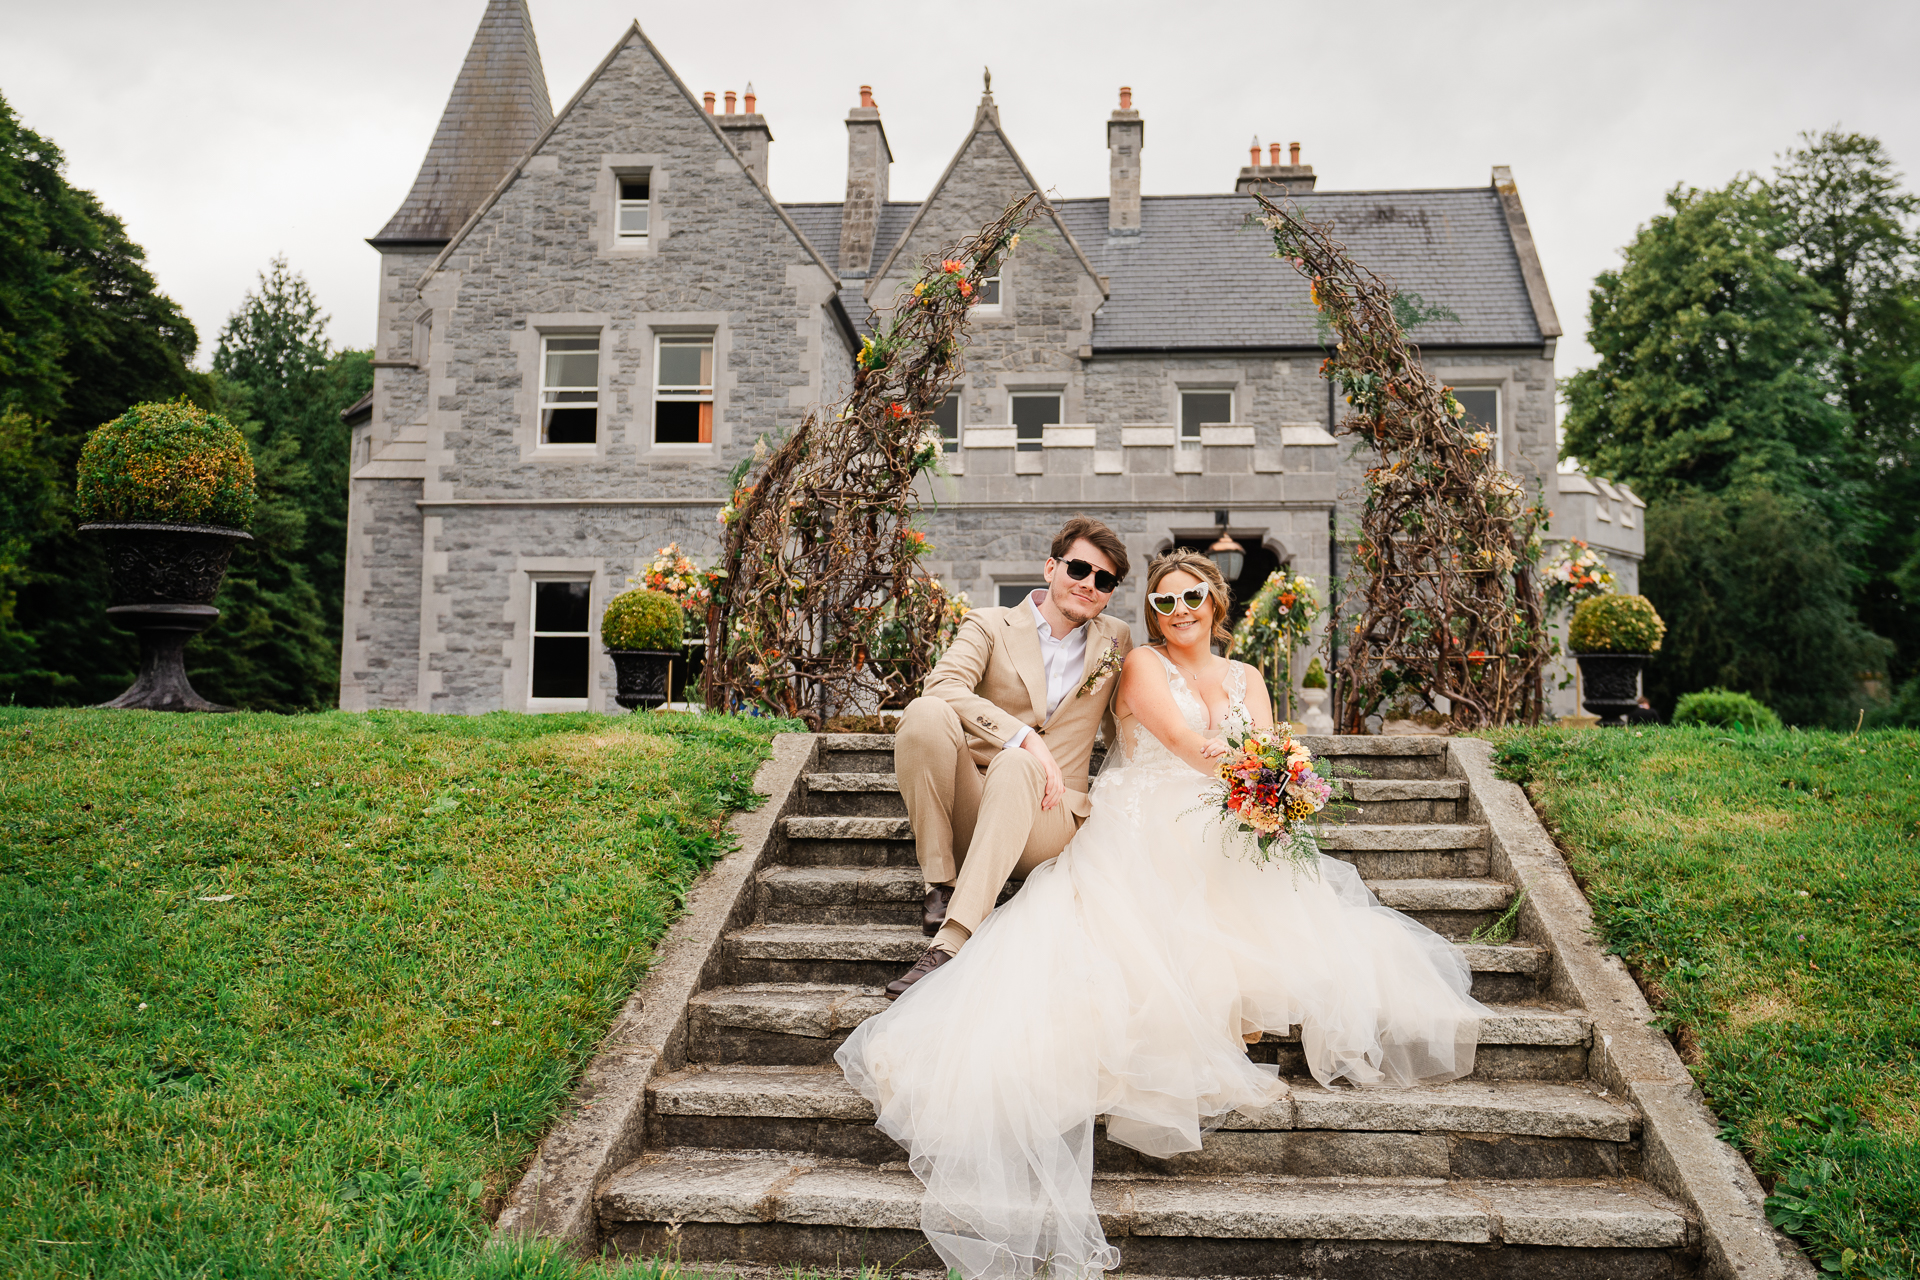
{"type": "Point", "coordinates": [1065, 660]}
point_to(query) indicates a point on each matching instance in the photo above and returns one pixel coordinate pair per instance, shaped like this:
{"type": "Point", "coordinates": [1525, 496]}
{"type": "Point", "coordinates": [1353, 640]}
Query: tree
{"type": "Point", "coordinates": [1848, 226]}
{"type": "Point", "coordinates": [84, 332]}
{"type": "Point", "coordinates": [1712, 364]}
{"type": "Point", "coordinates": [1756, 597]}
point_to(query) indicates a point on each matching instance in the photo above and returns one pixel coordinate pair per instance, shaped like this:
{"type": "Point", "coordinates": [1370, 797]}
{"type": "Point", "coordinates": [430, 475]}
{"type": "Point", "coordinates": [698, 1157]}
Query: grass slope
{"type": "Point", "coordinates": [294, 996]}
{"type": "Point", "coordinates": [1766, 889]}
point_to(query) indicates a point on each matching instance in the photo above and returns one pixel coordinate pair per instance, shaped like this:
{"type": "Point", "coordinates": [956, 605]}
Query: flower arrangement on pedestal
{"type": "Point", "coordinates": [673, 572]}
{"type": "Point", "coordinates": [1279, 619]}
{"type": "Point", "coordinates": [1574, 574]}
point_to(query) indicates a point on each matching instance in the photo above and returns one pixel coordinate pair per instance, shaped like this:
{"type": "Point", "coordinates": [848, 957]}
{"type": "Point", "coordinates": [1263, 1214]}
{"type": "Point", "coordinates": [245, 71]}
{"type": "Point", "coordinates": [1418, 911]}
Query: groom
{"type": "Point", "coordinates": [992, 759]}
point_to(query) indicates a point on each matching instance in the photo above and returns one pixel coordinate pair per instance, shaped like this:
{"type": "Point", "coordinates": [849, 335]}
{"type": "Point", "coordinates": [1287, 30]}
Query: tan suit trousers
{"type": "Point", "coordinates": [973, 828]}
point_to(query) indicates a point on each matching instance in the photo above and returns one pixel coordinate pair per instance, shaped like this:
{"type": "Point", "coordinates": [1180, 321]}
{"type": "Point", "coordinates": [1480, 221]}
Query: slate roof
{"type": "Point", "coordinates": [1196, 278]}
{"type": "Point", "coordinates": [498, 109]}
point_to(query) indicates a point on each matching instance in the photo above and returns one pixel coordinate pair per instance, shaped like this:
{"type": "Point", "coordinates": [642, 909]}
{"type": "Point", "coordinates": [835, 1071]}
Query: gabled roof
{"type": "Point", "coordinates": [498, 106]}
{"type": "Point", "coordinates": [986, 119]}
{"type": "Point", "coordinates": [633, 34]}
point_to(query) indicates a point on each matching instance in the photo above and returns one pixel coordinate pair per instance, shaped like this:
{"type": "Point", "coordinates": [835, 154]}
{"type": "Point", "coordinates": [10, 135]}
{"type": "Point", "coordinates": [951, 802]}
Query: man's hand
{"type": "Point", "coordinates": [1056, 785]}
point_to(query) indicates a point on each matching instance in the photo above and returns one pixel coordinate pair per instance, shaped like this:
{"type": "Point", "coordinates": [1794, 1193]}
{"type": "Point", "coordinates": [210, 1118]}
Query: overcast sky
{"type": "Point", "coordinates": [227, 131]}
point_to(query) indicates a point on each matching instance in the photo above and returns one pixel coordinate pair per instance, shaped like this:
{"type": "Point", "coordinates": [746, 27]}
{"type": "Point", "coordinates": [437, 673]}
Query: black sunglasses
{"type": "Point", "coordinates": [1103, 582]}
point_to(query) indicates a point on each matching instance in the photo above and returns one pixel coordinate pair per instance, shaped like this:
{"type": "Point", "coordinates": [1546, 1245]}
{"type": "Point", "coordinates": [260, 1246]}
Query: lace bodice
{"type": "Point", "coordinates": [1139, 751]}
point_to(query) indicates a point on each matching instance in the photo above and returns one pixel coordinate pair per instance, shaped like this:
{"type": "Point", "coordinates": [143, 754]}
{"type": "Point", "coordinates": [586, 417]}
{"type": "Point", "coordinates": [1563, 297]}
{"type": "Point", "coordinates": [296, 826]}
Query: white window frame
{"type": "Point", "coordinates": [995, 307]}
{"type": "Point", "coordinates": [1032, 445]}
{"type": "Point", "coordinates": [1498, 392]}
{"type": "Point", "coordinates": [683, 394]}
{"type": "Point", "coordinates": [547, 339]}
{"type": "Point", "coordinates": [621, 206]}
{"type": "Point", "coordinates": [1181, 423]}
{"type": "Point", "coordinates": [534, 636]}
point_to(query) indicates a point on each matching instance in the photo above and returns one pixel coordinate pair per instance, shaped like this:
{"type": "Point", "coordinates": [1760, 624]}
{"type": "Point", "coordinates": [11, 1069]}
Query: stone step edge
{"type": "Point", "coordinates": [1461, 894]}
{"type": "Point", "coordinates": [1374, 790]}
{"type": "Point", "coordinates": [1534, 1109]}
{"type": "Point", "coordinates": [904, 943]}
{"type": "Point", "coordinates": [820, 1010]}
{"type": "Point", "coordinates": [679, 1186]}
{"type": "Point", "coordinates": [1351, 837]}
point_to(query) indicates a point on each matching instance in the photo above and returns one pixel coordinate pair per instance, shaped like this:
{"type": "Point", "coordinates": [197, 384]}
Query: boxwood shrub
{"type": "Point", "coordinates": [1615, 624]}
{"type": "Point", "coordinates": [1316, 677]}
{"type": "Point", "coordinates": [1724, 709]}
{"type": "Point", "coordinates": [171, 463]}
{"type": "Point", "coordinates": [642, 619]}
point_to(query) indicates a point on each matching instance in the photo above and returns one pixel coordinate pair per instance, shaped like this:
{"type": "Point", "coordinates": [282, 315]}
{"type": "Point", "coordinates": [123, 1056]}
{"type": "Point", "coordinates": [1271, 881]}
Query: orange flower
{"type": "Point", "coordinates": [966, 288]}
{"type": "Point", "coordinates": [1286, 599]}
{"type": "Point", "coordinates": [955, 266]}
{"type": "Point", "coordinates": [896, 410]}
{"type": "Point", "coordinates": [1477, 656]}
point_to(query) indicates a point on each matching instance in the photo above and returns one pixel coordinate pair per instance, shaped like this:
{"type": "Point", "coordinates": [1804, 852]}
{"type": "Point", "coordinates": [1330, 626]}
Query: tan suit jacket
{"type": "Point", "coordinates": [994, 678]}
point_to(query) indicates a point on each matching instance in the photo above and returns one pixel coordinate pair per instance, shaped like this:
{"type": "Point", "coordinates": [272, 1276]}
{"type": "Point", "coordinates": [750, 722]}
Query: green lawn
{"type": "Point", "coordinates": [1766, 890]}
{"type": "Point", "coordinates": [296, 996]}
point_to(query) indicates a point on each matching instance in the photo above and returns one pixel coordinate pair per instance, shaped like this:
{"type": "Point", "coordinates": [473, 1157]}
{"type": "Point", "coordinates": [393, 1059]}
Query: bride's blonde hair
{"type": "Point", "coordinates": [1204, 569]}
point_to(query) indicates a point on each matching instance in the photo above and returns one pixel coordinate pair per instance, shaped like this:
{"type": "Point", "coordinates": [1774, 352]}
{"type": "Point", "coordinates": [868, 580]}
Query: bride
{"type": "Point", "coordinates": [1127, 976]}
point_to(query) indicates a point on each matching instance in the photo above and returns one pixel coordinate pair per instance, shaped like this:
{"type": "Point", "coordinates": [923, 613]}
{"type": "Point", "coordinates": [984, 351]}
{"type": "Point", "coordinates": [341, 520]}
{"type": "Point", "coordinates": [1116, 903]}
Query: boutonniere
{"type": "Point", "coordinates": [1109, 663]}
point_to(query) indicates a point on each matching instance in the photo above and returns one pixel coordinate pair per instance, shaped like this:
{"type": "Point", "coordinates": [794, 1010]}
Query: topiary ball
{"type": "Point", "coordinates": [1615, 624]}
{"type": "Point", "coordinates": [1724, 709]}
{"type": "Point", "coordinates": [169, 463]}
{"type": "Point", "coordinates": [642, 619]}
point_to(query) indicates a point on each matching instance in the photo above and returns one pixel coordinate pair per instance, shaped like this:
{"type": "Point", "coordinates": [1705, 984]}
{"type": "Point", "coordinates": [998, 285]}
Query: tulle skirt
{"type": "Point", "coordinates": [1124, 980]}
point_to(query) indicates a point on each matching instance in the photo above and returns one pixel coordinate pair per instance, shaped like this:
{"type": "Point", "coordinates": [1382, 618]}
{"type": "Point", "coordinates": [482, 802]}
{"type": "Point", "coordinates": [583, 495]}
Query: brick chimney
{"type": "Point", "coordinates": [868, 161]}
{"type": "Point", "coordinates": [1275, 178]}
{"type": "Point", "coordinates": [1126, 136]}
{"type": "Point", "coordinates": [748, 133]}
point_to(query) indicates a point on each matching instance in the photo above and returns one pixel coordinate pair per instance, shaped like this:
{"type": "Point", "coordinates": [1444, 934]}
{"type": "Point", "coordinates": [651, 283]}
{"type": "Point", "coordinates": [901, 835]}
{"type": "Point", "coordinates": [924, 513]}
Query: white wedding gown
{"type": "Point", "coordinates": [1122, 981]}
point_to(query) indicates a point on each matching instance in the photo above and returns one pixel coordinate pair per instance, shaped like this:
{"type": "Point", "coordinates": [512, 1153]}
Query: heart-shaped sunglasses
{"type": "Point", "coordinates": [1164, 602]}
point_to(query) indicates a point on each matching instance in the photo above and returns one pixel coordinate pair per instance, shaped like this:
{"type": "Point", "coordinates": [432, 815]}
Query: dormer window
{"type": "Point", "coordinates": [1203, 408]}
{"type": "Point", "coordinates": [570, 389]}
{"type": "Point", "coordinates": [990, 288]}
{"type": "Point", "coordinates": [632, 214]}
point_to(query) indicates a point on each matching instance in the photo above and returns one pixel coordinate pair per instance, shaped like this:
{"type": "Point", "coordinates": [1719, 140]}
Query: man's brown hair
{"type": "Point", "coordinates": [1098, 534]}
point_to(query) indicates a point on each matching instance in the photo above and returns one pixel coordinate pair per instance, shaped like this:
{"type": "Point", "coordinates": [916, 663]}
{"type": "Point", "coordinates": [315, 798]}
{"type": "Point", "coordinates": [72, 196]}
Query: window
{"type": "Point", "coordinates": [683, 391]}
{"type": "Point", "coordinates": [1482, 405]}
{"type": "Point", "coordinates": [1203, 408]}
{"type": "Point", "coordinates": [946, 416]}
{"type": "Point", "coordinates": [990, 288]}
{"type": "Point", "coordinates": [631, 217]}
{"type": "Point", "coordinates": [569, 389]}
{"type": "Point", "coordinates": [1032, 413]}
{"type": "Point", "coordinates": [1009, 594]}
{"type": "Point", "coordinates": [560, 639]}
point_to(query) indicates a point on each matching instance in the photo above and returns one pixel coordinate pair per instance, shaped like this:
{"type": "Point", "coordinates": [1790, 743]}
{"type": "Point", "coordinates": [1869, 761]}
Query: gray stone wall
{"type": "Point", "coordinates": [380, 642]}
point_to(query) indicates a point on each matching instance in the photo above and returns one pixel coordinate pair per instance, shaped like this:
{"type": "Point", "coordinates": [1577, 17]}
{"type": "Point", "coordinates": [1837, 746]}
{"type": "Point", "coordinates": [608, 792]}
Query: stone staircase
{"type": "Point", "coordinates": [759, 1152]}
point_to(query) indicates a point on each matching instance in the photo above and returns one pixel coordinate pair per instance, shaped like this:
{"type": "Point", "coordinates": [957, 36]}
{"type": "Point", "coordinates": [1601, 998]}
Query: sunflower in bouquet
{"type": "Point", "coordinates": [1266, 787]}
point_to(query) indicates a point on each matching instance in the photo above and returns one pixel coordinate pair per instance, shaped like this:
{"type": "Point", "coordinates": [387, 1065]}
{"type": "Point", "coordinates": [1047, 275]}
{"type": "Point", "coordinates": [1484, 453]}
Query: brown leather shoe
{"type": "Point", "coordinates": [933, 913]}
{"type": "Point", "coordinates": [925, 965]}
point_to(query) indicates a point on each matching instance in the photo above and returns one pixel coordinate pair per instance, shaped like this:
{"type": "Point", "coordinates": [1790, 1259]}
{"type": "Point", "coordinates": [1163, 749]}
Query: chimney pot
{"type": "Point", "coordinates": [1126, 98]}
{"type": "Point", "coordinates": [707, 97]}
{"type": "Point", "coordinates": [749, 97]}
{"type": "Point", "coordinates": [1273, 153]}
{"type": "Point", "coordinates": [1255, 162]}
{"type": "Point", "coordinates": [1294, 149]}
{"type": "Point", "coordinates": [730, 102]}
{"type": "Point", "coordinates": [866, 96]}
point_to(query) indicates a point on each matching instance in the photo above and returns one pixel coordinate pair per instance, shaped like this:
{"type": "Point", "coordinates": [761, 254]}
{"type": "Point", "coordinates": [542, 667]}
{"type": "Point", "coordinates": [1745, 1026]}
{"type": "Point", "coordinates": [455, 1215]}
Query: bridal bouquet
{"type": "Point", "coordinates": [1267, 788]}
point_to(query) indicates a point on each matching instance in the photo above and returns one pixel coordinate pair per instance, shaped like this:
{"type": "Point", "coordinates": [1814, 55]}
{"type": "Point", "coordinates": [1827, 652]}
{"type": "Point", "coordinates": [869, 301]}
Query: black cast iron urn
{"type": "Point", "coordinates": [164, 579]}
{"type": "Point", "coordinates": [1610, 684]}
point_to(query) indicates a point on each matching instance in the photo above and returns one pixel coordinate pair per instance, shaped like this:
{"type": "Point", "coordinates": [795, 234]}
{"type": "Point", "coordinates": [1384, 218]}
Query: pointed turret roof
{"type": "Point", "coordinates": [497, 110]}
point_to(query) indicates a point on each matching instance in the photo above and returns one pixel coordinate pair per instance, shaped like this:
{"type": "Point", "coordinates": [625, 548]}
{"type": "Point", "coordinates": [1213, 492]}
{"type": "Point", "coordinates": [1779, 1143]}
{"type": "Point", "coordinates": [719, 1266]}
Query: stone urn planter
{"type": "Point", "coordinates": [1314, 719]}
{"type": "Point", "coordinates": [164, 578]}
{"type": "Point", "coordinates": [645, 677]}
{"type": "Point", "coordinates": [1610, 684]}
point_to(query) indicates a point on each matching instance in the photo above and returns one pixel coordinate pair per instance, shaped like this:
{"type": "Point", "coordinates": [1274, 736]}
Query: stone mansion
{"type": "Point", "coordinates": [587, 318]}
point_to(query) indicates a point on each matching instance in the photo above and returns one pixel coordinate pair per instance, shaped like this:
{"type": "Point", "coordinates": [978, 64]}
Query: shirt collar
{"type": "Point", "coordinates": [1044, 627]}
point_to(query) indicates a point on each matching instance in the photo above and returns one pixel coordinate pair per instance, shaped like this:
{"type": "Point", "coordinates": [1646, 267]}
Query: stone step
{"type": "Point", "coordinates": [857, 752]}
{"type": "Point", "coordinates": [802, 1023]}
{"type": "Point", "coordinates": [893, 894]}
{"type": "Point", "coordinates": [1346, 755]}
{"type": "Point", "coordinates": [760, 1207]}
{"type": "Point", "coordinates": [1467, 1129]}
{"type": "Point", "coordinates": [876, 954]}
{"type": "Point", "coordinates": [1370, 800]}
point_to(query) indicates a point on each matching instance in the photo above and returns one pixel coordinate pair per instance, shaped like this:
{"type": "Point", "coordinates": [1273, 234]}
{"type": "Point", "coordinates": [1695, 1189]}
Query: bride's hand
{"type": "Point", "coordinates": [1213, 748]}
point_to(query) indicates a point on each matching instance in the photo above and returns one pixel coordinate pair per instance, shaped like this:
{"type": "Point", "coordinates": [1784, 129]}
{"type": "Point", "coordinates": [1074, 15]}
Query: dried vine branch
{"type": "Point", "coordinates": [820, 610]}
{"type": "Point", "coordinates": [1443, 577]}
